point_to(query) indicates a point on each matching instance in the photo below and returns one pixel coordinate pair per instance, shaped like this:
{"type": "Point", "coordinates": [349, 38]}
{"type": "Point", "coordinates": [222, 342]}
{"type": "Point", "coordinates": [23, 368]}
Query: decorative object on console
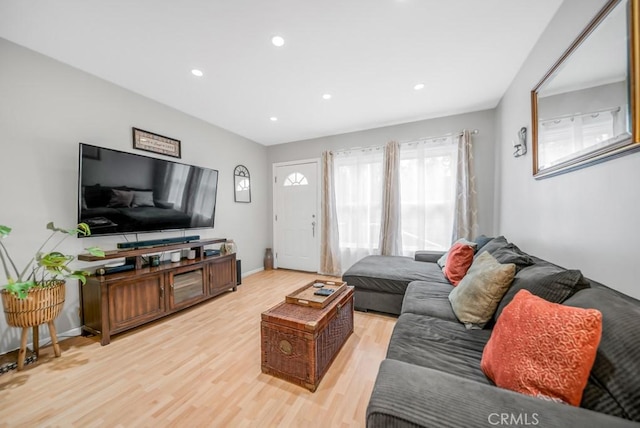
{"type": "Point", "coordinates": [520, 145]}
{"type": "Point", "coordinates": [543, 349]}
{"type": "Point", "coordinates": [241, 184]}
{"type": "Point", "coordinates": [268, 259]}
{"type": "Point", "coordinates": [145, 140]}
{"type": "Point", "coordinates": [36, 294]}
{"type": "Point", "coordinates": [228, 247]}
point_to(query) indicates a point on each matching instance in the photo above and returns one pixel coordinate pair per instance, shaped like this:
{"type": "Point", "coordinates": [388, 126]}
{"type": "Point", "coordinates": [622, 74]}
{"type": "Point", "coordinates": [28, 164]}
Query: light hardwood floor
{"type": "Point", "coordinates": [198, 368]}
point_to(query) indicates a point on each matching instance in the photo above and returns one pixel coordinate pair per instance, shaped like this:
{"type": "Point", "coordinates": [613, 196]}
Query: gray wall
{"type": "Point", "coordinates": [586, 219]}
{"type": "Point", "coordinates": [484, 153]}
{"type": "Point", "coordinates": [47, 107]}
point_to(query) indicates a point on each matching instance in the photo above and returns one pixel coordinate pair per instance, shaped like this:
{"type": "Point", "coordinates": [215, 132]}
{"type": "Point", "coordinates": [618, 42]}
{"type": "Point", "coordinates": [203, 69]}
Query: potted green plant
{"type": "Point", "coordinates": [35, 295]}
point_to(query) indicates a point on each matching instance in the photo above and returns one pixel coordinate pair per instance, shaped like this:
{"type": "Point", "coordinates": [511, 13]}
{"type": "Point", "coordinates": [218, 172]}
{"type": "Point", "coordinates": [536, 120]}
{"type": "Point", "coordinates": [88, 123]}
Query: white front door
{"type": "Point", "coordinates": [296, 222]}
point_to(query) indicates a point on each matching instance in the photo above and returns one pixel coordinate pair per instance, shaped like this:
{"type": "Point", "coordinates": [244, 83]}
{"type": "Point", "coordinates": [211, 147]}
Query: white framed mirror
{"type": "Point", "coordinates": [241, 184]}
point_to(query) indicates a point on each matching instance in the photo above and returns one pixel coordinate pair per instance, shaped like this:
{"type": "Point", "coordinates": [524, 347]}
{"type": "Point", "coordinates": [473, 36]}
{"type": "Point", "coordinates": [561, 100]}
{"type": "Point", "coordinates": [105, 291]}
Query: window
{"type": "Point", "coordinates": [427, 194]}
{"type": "Point", "coordinates": [427, 198]}
{"type": "Point", "coordinates": [295, 179]}
{"type": "Point", "coordinates": [358, 186]}
{"type": "Point", "coordinates": [562, 139]}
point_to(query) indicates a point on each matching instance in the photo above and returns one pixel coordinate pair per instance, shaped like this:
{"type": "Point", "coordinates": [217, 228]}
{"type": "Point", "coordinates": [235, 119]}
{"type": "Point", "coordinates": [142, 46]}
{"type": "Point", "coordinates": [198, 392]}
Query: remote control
{"type": "Point", "coordinates": [324, 292]}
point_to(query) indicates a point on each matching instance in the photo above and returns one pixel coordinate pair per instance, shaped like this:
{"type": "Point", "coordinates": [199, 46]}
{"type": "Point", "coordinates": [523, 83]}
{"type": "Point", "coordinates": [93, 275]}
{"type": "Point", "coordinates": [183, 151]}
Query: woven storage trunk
{"type": "Point", "coordinates": [41, 306]}
{"type": "Point", "coordinates": [299, 343]}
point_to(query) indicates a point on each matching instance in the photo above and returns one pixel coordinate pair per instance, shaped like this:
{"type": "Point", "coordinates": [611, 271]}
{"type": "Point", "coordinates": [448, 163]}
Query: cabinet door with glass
{"type": "Point", "coordinates": [186, 286]}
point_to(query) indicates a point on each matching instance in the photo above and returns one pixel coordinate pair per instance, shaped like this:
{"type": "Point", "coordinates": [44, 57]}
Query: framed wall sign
{"type": "Point", "coordinates": [150, 142]}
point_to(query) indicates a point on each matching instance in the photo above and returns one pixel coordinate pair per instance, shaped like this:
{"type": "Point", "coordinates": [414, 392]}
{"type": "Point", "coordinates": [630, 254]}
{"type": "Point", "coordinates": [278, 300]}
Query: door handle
{"type": "Point", "coordinates": [313, 228]}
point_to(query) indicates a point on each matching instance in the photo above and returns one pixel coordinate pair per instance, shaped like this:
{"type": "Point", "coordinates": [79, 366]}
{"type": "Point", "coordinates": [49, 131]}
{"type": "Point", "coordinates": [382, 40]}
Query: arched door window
{"type": "Point", "coordinates": [295, 179]}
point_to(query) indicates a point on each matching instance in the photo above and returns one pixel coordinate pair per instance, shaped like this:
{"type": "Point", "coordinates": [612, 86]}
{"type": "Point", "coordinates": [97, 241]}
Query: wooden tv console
{"type": "Point", "coordinates": [120, 301]}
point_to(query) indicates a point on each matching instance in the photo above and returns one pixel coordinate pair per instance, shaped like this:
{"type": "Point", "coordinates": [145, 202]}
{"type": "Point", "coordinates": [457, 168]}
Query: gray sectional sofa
{"type": "Point", "coordinates": [431, 376]}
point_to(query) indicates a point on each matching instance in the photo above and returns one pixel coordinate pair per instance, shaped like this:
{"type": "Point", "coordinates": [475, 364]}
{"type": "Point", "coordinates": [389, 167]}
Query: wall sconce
{"type": "Point", "coordinates": [520, 145]}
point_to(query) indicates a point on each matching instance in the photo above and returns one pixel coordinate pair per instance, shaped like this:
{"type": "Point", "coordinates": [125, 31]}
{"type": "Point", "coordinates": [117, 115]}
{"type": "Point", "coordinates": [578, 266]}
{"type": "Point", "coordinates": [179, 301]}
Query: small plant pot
{"type": "Point", "coordinates": [41, 305]}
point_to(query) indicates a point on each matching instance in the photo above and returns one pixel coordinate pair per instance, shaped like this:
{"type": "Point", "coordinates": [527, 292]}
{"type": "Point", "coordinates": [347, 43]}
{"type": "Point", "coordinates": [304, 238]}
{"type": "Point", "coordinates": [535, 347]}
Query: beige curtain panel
{"type": "Point", "coordinates": [390, 227]}
{"type": "Point", "coordinates": [329, 237]}
{"type": "Point", "coordinates": [465, 223]}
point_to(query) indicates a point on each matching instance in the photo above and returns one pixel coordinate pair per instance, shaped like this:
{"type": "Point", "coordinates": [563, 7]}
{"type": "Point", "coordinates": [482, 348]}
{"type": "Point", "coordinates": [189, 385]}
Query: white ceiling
{"type": "Point", "coordinates": [368, 54]}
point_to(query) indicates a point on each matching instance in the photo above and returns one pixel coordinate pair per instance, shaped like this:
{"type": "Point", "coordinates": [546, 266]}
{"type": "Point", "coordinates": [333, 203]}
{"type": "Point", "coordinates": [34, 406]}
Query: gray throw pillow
{"type": "Point", "coordinates": [512, 254]}
{"type": "Point", "coordinates": [120, 198]}
{"type": "Point", "coordinates": [547, 281]}
{"type": "Point", "coordinates": [476, 298]}
{"type": "Point", "coordinates": [443, 260]}
{"type": "Point", "coordinates": [482, 240]}
{"type": "Point", "coordinates": [494, 244]}
{"type": "Point", "coordinates": [506, 252]}
{"type": "Point", "coordinates": [142, 198]}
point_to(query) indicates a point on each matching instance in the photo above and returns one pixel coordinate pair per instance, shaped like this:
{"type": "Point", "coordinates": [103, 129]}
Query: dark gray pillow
{"type": "Point", "coordinates": [142, 198]}
{"type": "Point", "coordinates": [504, 252]}
{"type": "Point", "coordinates": [492, 245]}
{"type": "Point", "coordinates": [512, 254]}
{"type": "Point", "coordinates": [547, 281]}
{"type": "Point", "coordinates": [482, 240]}
{"type": "Point", "coordinates": [120, 198]}
{"type": "Point", "coordinates": [612, 387]}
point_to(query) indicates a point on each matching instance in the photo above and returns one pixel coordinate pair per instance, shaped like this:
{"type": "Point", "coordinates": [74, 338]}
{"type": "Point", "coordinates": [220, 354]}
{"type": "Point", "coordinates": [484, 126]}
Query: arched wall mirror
{"type": "Point", "coordinates": [585, 109]}
{"type": "Point", "coordinates": [241, 184]}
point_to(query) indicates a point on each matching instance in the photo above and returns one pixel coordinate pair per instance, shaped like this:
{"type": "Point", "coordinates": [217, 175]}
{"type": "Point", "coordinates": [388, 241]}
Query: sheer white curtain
{"type": "Point", "coordinates": [427, 194]}
{"type": "Point", "coordinates": [358, 188]}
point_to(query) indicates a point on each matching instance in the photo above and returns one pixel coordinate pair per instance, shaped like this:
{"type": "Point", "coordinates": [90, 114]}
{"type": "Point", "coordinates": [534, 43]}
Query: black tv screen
{"type": "Point", "coordinates": [121, 192]}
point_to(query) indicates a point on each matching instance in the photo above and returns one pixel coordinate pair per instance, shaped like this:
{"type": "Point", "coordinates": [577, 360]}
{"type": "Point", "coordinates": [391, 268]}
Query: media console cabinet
{"type": "Point", "coordinates": [120, 301]}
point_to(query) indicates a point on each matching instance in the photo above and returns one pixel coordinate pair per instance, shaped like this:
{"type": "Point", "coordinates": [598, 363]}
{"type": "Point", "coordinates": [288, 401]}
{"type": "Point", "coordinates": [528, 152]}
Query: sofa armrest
{"type": "Point", "coordinates": [428, 256]}
{"type": "Point", "coordinates": [406, 395]}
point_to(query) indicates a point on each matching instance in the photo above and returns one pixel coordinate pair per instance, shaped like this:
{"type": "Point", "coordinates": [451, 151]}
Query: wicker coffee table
{"type": "Point", "coordinates": [299, 343]}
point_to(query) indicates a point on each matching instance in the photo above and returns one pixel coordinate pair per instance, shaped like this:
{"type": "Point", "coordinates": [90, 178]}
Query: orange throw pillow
{"type": "Point", "coordinates": [543, 349]}
{"type": "Point", "coordinates": [458, 261]}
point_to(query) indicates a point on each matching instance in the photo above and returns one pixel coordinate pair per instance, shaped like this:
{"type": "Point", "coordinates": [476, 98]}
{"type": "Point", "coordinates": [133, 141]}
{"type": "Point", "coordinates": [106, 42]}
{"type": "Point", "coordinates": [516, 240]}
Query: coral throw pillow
{"type": "Point", "coordinates": [459, 259]}
{"type": "Point", "coordinates": [543, 349]}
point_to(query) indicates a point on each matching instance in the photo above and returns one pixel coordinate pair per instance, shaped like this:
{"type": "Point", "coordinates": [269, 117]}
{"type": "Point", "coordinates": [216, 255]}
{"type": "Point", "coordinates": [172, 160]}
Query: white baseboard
{"type": "Point", "coordinates": [251, 272]}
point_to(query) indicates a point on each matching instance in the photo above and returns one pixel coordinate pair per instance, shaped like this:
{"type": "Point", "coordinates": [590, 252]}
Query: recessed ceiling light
{"type": "Point", "coordinates": [197, 72]}
{"type": "Point", "coordinates": [326, 96]}
{"type": "Point", "coordinates": [273, 119]}
{"type": "Point", "coordinates": [419, 86]}
{"type": "Point", "coordinates": [277, 41]}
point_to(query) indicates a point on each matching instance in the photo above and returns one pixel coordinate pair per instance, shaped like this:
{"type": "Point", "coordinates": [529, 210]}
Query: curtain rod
{"type": "Point", "coordinates": [415, 140]}
{"type": "Point", "coordinates": [451, 134]}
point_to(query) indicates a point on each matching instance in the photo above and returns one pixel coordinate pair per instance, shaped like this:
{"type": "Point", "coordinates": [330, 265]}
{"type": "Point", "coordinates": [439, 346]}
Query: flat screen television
{"type": "Point", "coordinates": [120, 192]}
